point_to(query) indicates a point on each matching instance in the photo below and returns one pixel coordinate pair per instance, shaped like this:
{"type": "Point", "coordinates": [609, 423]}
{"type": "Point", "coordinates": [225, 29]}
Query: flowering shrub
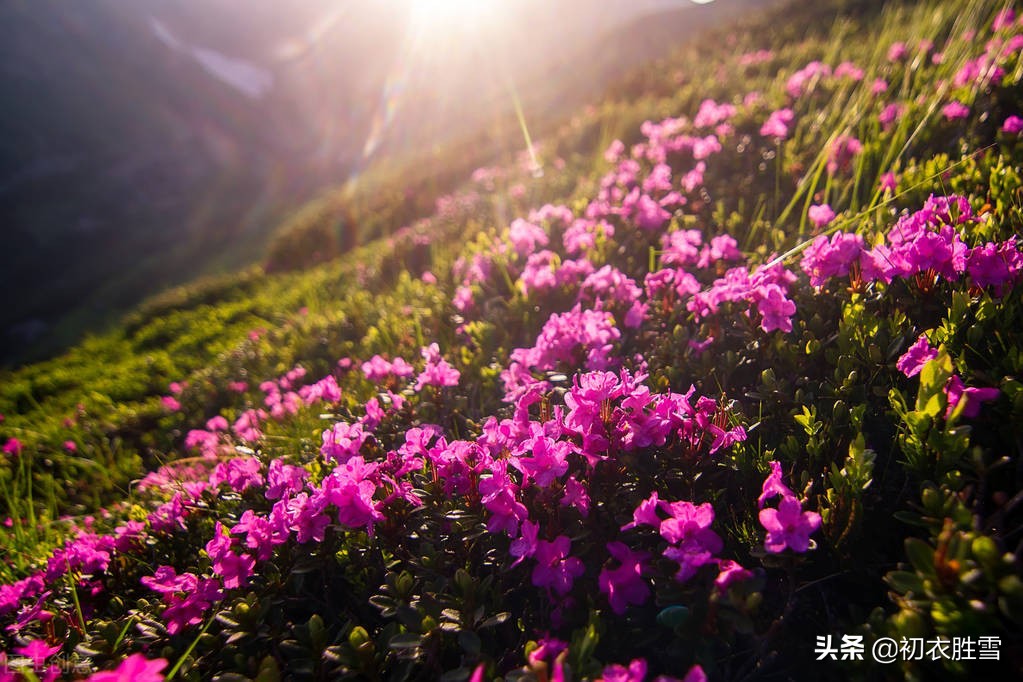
{"type": "Point", "coordinates": [752, 383]}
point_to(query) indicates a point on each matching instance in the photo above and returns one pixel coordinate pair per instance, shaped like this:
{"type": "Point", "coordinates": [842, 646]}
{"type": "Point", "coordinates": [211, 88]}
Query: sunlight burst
{"type": "Point", "coordinates": [451, 14]}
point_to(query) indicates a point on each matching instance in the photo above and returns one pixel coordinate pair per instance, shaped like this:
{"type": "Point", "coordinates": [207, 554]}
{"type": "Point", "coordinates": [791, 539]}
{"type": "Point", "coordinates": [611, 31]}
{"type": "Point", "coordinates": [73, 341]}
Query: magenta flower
{"type": "Point", "coordinates": [820, 215]}
{"type": "Point", "coordinates": [957, 391]}
{"type": "Point", "coordinates": [694, 543]}
{"type": "Point", "coordinates": [645, 513]}
{"type": "Point", "coordinates": [636, 672]}
{"type": "Point", "coordinates": [805, 79]}
{"type": "Point", "coordinates": [624, 585]}
{"type": "Point", "coordinates": [850, 71]}
{"type": "Point", "coordinates": [994, 265]}
{"type": "Point", "coordinates": [1004, 19]}
{"type": "Point", "coordinates": [240, 473]}
{"type": "Point", "coordinates": [576, 495]}
{"type": "Point", "coordinates": [889, 183]}
{"type": "Point", "coordinates": [897, 52]}
{"type": "Point", "coordinates": [955, 110]}
{"type": "Point", "coordinates": [499, 496]}
{"type": "Point", "coordinates": [549, 459]}
{"type": "Point", "coordinates": [788, 526]}
{"type": "Point", "coordinates": [462, 300]}
{"type": "Point", "coordinates": [843, 150]}
{"type": "Point", "coordinates": [648, 214]}
{"type": "Point", "coordinates": [260, 534]}
{"type": "Point", "coordinates": [773, 486]}
{"type": "Point", "coordinates": [342, 441]}
{"type": "Point", "coordinates": [437, 371]}
{"type": "Point", "coordinates": [1013, 125]}
{"type": "Point", "coordinates": [305, 517]}
{"type": "Point", "coordinates": [170, 403]}
{"type": "Point", "coordinates": [283, 480]}
{"type": "Point", "coordinates": [918, 355]}
{"type": "Point", "coordinates": [614, 152]}
{"type": "Point", "coordinates": [777, 124]}
{"type": "Point", "coordinates": [729, 573]}
{"type": "Point", "coordinates": [525, 236]}
{"type": "Point", "coordinates": [13, 447]}
{"type": "Point", "coordinates": [555, 569]}
{"type": "Point", "coordinates": [775, 309]}
{"type": "Point", "coordinates": [37, 651]}
{"type": "Point", "coordinates": [526, 544]}
{"type": "Point", "coordinates": [135, 668]}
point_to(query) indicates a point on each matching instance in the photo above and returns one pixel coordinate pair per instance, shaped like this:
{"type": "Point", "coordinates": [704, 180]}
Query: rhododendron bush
{"type": "Point", "coordinates": [753, 379]}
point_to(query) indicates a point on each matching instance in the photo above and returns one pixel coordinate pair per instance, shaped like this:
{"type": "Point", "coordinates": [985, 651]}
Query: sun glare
{"type": "Point", "coordinates": [440, 15]}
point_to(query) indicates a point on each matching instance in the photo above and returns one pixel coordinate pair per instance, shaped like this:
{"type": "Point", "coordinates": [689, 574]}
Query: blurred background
{"type": "Point", "coordinates": [144, 143]}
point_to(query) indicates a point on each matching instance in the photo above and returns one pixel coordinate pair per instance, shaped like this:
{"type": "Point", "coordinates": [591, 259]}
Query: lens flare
{"type": "Point", "coordinates": [451, 14]}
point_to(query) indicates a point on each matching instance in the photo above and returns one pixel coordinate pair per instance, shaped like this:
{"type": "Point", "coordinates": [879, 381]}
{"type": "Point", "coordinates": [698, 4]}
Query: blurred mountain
{"type": "Point", "coordinates": [145, 142]}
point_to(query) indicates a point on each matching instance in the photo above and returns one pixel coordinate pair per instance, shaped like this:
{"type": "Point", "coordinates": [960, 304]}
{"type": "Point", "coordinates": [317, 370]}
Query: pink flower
{"type": "Point", "coordinates": [957, 391]}
{"type": "Point", "coordinates": [37, 651]}
{"type": "Point", "coordinates": [135, 668]}
{"type": "Point", "coordinates": [13, 447]}
{"type": "Point", "coordinates": [614, 151]}
{"type": "Point", "coordinates": [525, 236]}
{"type": "Point", "coordinates": [889, 183]}
{"type": "Point", "coordinates": [825, 258]}
{"type": "Point", "coordinates": [283, 480]}
{"type": "Point", "coordinates": [342, 441]}
{"type": "Point", "coordinates": [820, 215]}
{"type": "Point", "coordinates": [555, 569]}
{"type": "Point", "coordinates": [842, 152]}
{"type": "Point", "coordinates": [788, 526]}
{"type": "Point", "coordinates": [1013, 125]}
{"type": "Point", "coordinates": [648, 214]}
{"type": "Point", "coordinates": [636, 672]}
{"type": "Point", "coordinates": [777, 124]}
{"type": "Point", "coordinates": [775, 309]}
{"type": "Point", "coordinates": [170, 402]}
{"type": "Point", "coordinates": [526, 544]}
{"type": "Point", "coordinates": [918, 355]}
{"type": "Point", "coordinates": [624, 585]}
{"type": "Point", "coordinates": [437, 371]}
{"type": "Point", "coordinates": [994, 265]}
{"type": "Point", "coordinates": [730, 572]}
{"type": "Point", "coordinates": [773, 486]}
{"type": "Point", "coordinates": [462, 300]}
{"type": "Point", "coordinates": [897, 52]}
{"type": "Point", "coordinates": [890, 114]}
{"type": "Point", "coordinates": [1004, 19]}
{"type": "Point", "coordinates": [849, 70]}
{"type": "Point", "coordinates": [955, 110]}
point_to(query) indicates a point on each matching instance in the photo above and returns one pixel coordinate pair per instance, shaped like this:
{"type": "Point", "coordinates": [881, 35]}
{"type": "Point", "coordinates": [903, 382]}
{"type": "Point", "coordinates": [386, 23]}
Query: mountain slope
{"type": "Point", "coordinates": [148, 143]}
{"type": "Point", "coordinates": [745, 373]}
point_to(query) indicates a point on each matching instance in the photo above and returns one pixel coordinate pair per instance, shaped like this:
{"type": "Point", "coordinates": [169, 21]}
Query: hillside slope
{"type": "Point", "coordinates": [145, 144]}
{"type": "Point", "coordinates": [730, 390]}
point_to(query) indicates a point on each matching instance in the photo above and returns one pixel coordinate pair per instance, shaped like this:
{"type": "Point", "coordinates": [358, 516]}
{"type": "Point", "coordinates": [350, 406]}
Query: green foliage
{"type": "Point", "coordinates": [919, 504]}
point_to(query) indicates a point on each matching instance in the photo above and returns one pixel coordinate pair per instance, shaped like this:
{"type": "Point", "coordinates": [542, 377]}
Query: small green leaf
{"type": "Point", "coordinates": [921, 556]}
{"type": "Point", "coordinates": [407, 640]}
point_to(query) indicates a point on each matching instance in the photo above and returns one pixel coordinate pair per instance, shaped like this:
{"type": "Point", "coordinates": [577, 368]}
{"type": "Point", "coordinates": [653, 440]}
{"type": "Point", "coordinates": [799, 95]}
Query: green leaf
{"type": "Point", "coordinates": [494, 620]}
{"type": "Point", "coordinates": [905, 582]}
{"type": "Point", "coordinates": [921, 556]}
{"type": "Point", "coordinates": [406, 640]}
